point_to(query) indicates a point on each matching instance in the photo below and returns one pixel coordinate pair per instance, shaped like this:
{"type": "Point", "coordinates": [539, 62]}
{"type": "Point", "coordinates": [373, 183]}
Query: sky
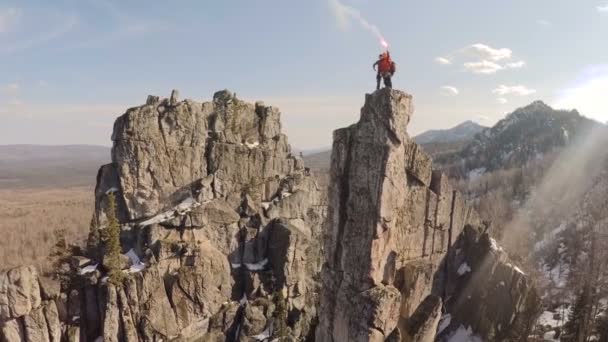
{"type": "Point", "coordinates": [68, 68]}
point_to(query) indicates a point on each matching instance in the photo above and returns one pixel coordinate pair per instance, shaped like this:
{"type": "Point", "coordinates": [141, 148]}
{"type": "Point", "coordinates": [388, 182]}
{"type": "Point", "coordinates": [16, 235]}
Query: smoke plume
{"type": "Point", "coordinates": [344, 14]}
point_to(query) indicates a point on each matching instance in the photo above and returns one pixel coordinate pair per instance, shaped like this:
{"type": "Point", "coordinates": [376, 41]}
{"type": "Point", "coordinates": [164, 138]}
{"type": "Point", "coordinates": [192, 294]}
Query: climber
{"type": "Point", "coordinates": [386, 70]}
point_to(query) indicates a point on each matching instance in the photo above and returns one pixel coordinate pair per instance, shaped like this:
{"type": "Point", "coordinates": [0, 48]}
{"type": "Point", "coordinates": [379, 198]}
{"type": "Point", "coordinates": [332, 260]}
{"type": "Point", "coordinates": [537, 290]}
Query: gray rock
{"type": "Point", "coordinates": [392, 224]}
{"type": "Point", "coordinates": [19, 292]}
{"type": "Point", "coordinates": [12, 330]}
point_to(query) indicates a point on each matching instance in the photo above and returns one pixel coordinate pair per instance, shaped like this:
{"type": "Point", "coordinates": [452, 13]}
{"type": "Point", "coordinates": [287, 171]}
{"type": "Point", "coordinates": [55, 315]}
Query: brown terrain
{"type": "Point", "coordinates": [45, 196]}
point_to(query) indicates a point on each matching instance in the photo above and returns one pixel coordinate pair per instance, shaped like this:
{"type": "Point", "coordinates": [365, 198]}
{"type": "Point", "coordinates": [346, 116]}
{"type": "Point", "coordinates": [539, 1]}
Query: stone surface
{"type": "Point", "coordinates": [392, 227]}
{"type": "Point", "coordinates": [19, 292]}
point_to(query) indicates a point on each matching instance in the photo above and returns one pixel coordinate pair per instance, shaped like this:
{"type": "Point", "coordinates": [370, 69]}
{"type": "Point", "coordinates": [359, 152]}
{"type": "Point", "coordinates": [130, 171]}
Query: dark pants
{"type": "Point", "coordinates": [388, 83]}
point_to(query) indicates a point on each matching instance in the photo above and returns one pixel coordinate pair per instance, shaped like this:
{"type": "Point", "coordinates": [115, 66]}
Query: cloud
{"type": "Point", "coordinates": [544, 23]}
{"type": "Point", "coordinates": [602, 8]}
{"type": "Point", "coordinates": [520, 90]}
{"type": "Point", "coordinates": [344, 13]}
{"type": "Point", "coordinates": [449, 90]}
{"type": "Point", "coordinates": [516, 65]}
{"type": "Point", "coordinates": [502, 100]}
{"type": "Point", "coordinates": [482, 67]}
{"type": "Point", "coordinates": [486, 52]}
{"type": "Point", "coordinates": [443, 61]}
{"type": "Point", "coordinates": [486, 59]}
{"type": "Point", "coordinates": [52, 33]}
{"type": "Point", "coordinates": [9, 18]}
{"type": "Point", "coordinates": [42, 83]}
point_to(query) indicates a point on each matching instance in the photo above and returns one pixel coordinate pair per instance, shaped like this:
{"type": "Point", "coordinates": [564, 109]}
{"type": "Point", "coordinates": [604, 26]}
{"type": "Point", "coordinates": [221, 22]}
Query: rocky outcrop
{"type": "Point", "coordinates": [217, 216]}
{"type": "Point", "coordinates": [393, 239]}
{"type": "Point", "coordinates": [225, 236]}
{"type": "Point", "coordinates": [28, 307]}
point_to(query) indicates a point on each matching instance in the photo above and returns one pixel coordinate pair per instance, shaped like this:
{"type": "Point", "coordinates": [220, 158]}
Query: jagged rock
{"type": "Point", "coordinates": [392, 227]}
{"type": "Point", "coordinates": [12, 331]}
{"type": "Point", "coordinates": [52, 319]}
{"type": "Point", "coordinates": [19, 292]}
{"type": "Point", "coordinates": [35, 325]}
{"type": "Point", "coordinates": [422, 325]}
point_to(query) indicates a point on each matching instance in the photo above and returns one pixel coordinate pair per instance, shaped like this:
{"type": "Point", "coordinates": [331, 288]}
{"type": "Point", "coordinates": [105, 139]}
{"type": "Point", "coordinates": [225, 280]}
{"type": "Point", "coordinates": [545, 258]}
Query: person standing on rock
{"type": "Point", "coordinates": [386, 70]}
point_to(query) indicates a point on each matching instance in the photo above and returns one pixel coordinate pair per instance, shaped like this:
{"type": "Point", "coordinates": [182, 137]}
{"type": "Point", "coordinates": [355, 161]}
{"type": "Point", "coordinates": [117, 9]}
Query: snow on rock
{"type": "Point", "coordinates": [133, 257]}
{"type": "Point", "coordinates": [266, 205]}
{"type": "Point", "coordinates": [548, 318]}
{"type": "Point", "coordinates": [464, 268]}
{"type": "Point", "coordinates": [444, 322]}
{"type": "Point", "coordinates": [253, 144]}
{"type": "Point", "coordinates": [183, 207]}
{"type": "Point", "coordinates": [112, 190]}
{"type": "Point", "coordinates": [476, 173]}
{"type": "Point", "coordinates": [550, 336]}
{"type": "Point", "coordinates": [137, 268]}
{"type": "Point", "coordinates": [235, 266]}
{"type": "Point", "coordinates": [516, 269]}
{"type": "Point", "coordinates": [264, 335]}
{"type": "Point", "coordinates": [495, 247]}
{"type": "Point", "coordinates": [162, 217]}
{"type": "Point", "coordinates": [463, 334]}
{"type": "Point", "coordinates": [258, 266]}
{"type": "Point", "coordinates": [88, 269]}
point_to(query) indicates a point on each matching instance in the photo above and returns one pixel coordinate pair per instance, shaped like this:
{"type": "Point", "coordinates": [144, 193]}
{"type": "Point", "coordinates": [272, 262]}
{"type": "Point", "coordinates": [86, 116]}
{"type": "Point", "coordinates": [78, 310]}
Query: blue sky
{"type": "Point", "coordinates": [69, 67]}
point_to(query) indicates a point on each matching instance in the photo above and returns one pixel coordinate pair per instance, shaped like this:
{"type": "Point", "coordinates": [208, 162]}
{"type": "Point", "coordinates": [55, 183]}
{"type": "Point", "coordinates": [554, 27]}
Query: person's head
{"type": "Point", "coordinates": [380, 56]}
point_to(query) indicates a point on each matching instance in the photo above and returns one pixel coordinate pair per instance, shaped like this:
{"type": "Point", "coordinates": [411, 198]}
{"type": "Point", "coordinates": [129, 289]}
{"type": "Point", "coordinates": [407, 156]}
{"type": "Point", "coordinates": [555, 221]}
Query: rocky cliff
{"type": "Point", "coordinates": [225, 236]}
{"type": "Point", "coordinates": [401, 244]}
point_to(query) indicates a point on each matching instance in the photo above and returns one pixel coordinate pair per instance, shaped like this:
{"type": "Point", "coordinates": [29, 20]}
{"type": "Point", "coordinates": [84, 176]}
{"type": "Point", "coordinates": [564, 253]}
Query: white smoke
{"type": "Point", "coordinates": [344, 14]}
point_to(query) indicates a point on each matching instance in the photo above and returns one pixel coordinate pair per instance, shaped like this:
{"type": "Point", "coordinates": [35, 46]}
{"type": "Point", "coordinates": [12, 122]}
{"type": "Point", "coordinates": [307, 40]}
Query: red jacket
{"type": "Point", "coordinates": [385, 65]}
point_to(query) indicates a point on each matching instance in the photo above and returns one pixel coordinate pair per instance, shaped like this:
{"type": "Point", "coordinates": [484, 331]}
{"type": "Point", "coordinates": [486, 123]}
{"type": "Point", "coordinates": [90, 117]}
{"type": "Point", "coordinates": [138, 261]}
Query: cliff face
{"type": "Point", "coordinates": [400, 242]}
{"type": "Point", "coordinates": [225, 236]}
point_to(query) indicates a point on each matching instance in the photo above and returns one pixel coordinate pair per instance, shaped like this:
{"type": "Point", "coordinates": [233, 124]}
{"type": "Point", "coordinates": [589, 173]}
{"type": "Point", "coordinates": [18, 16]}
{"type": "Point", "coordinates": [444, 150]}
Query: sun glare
{"type": "Point", "coordinates": [588, 97]}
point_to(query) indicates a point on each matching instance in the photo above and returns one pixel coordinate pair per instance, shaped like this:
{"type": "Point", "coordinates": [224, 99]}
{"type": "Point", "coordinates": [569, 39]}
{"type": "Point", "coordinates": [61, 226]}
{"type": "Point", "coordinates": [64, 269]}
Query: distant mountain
{"type": "Point", "coordinates": [48, 166]}
{"type": "Point", "coordinates": [463, 132]}
{"type": "Point", "coordinates": [527, 133]}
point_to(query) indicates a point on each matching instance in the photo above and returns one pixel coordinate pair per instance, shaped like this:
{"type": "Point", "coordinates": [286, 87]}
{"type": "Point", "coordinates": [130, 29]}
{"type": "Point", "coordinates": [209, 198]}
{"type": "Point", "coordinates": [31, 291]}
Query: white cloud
{"type": "Point", "coordinates": [9, 18]}
{"type": "Point", "coordinates": [52, 33]}
{"type": "Point", "coordinates": [443, 61]}
{"type": "Point", "coordinates": [449, 90]}
{"type": "Point", "coordinates": [502, 100]}
{"type": "Point", "coordinates": [482, 67]}
{"type": "Point", "coordinates": [544, 23]}
{"type": "Point", "coordinates": [513, 90]}
{"type": "Point", "coordinates": [487, 52]}
{"type": "Point", "coordinates": [516, 65]}
{"type": "Point", "coordinates": [602, 8]}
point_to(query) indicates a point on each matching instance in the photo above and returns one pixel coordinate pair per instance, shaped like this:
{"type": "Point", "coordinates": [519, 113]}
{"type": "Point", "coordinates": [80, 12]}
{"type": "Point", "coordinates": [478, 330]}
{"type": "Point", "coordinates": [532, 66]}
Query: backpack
{"type": "Point", "coordinates": [393, 67]}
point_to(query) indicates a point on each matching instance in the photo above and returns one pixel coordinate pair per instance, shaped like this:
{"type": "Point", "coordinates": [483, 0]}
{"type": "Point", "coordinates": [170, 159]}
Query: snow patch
{"type": "Point", "coordinates": [476, 173]}
{"type": "Point", "coordinates": [263, 336]}
{"type": "Point", "coordinates": [258, 266]}
{"type": "Point", "coordinates": [464, 268]}
{"type": "Point", "coordinates": [266, 205]}
{"type": "Point", "coordinates": [463, 334]}
{"type": "Point", "coordinates": [253, 144]}
{"type": "Point", "coordinates": [444, 322]}
{"type": "Point", "coordinates": [183, 207]}
{"type": "Point", "coordinates": [133, 257]}
{"type": "Point", "coordinates": [495, 247]}
{"type": "Point", "coordinates": [111, 190]}
{"type": "Point", "coordinates": [88, 269]}
{"type": "Point", "coordinates": [235, 266]}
